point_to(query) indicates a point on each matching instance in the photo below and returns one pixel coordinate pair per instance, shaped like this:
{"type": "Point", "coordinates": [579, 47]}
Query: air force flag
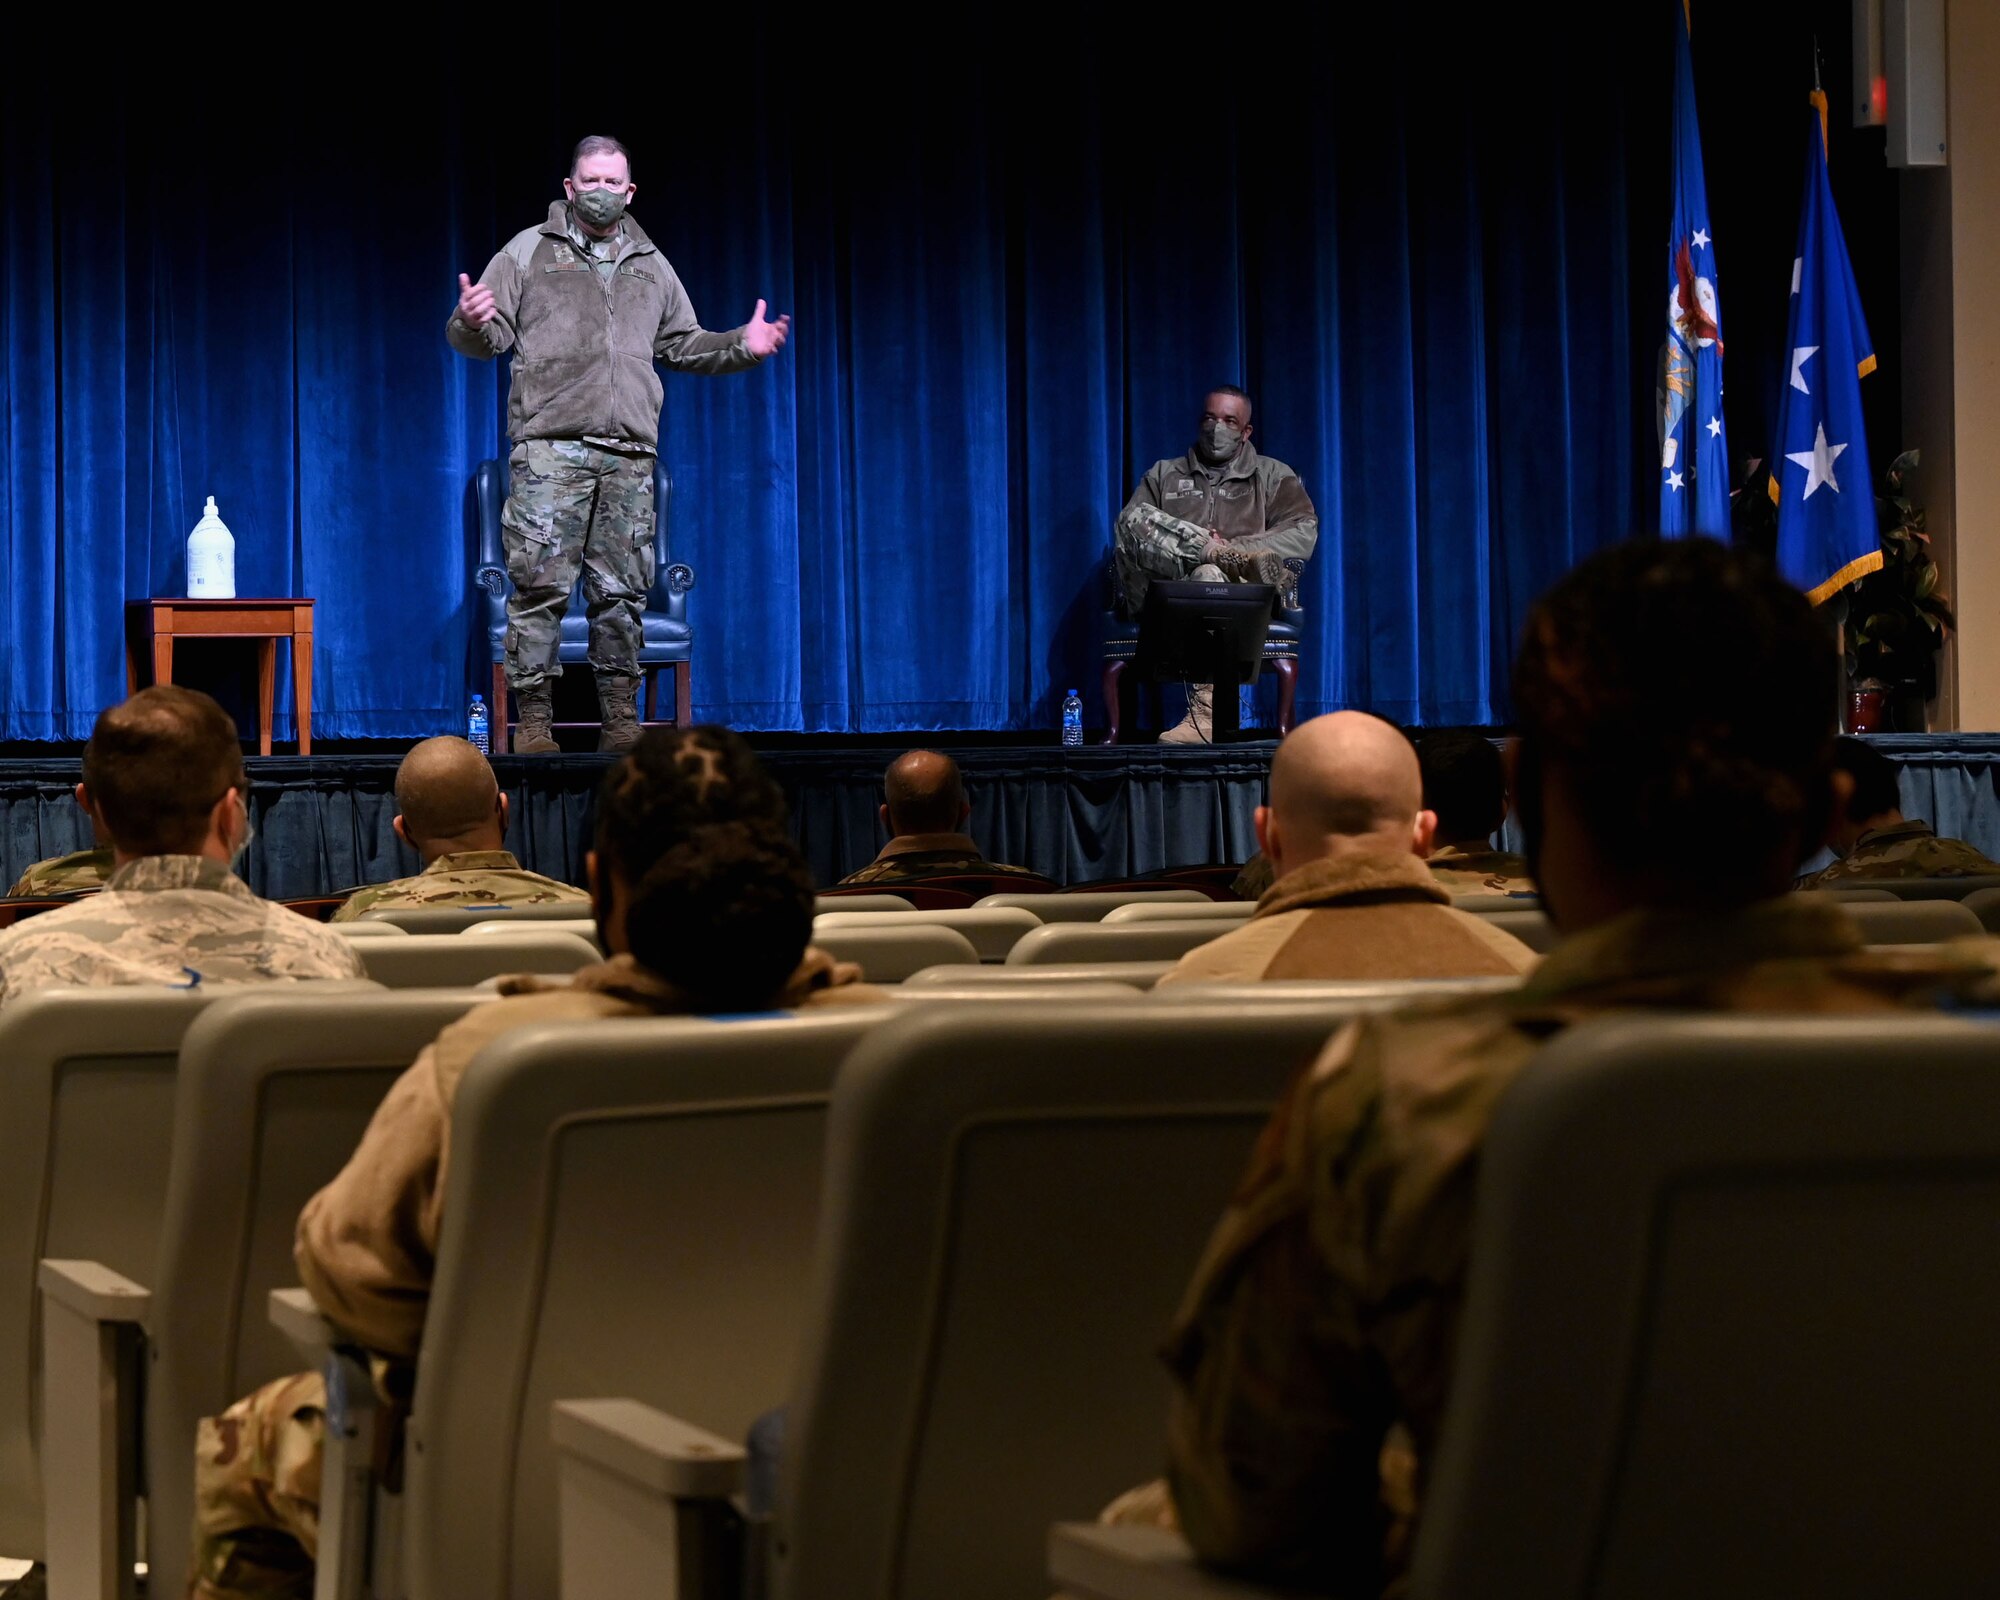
{"type": "Point", "coordinates": [1827, 533]}
{"type": "Point", "coordinates": [1694, 449]}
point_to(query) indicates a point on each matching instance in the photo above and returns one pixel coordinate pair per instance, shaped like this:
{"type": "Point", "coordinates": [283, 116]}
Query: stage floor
{"type": "Point", "coordinates": [1097, 812]}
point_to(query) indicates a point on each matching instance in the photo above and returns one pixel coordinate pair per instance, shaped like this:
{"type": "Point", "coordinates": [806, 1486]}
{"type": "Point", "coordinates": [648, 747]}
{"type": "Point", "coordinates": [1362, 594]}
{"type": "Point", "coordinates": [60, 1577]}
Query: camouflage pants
{"type": "Point", "coordinates": [256, 1494]}
{"type": "Point", "coordinates": [575, 508]}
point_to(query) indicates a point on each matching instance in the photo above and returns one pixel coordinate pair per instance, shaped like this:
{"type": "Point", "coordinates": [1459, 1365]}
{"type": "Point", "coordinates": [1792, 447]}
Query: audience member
{"type": "Point", "coordinates": [1465, 788]}
{"type": "Point", "coordinates": [79, 872]}
{"type": "Point", "coordinates": [925, 814]}
{"type": "Point", "coordinates": [706, 906]}
{"type": "Point", "coordinates": [163, 780]}
{"type": "Point", "coordinates": [1666, 690]}
{"type": "Point", "coordinates": [1346, 833]}
{"type": "Point", "coordinates": [1870, 834]}
{"type": "Point", "coordinates": [452, 813]}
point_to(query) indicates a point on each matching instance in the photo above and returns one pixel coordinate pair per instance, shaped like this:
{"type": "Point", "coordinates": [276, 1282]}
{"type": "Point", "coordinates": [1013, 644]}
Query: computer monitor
{"type": "Point", "coordinates": [1204, 632]}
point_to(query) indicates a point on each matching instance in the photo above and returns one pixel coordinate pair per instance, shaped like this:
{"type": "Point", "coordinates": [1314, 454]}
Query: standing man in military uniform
{"type": "Point", "coordinates": [587, 304]}
{"type": "Point", "coordinates": [1220, 512]}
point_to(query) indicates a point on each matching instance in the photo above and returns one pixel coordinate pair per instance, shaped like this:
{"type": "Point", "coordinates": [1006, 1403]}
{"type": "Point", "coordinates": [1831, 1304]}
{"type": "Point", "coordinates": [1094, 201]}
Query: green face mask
{"type": "Point", "coordinates": [600, 207]}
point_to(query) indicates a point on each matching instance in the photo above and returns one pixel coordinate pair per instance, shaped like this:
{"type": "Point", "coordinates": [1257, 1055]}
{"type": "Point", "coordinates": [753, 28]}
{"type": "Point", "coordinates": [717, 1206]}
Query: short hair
{"type": "Point", "coordinates": [445, 789]}
{"type": "Point", "coordinates": [721, 903]}
{"type": "Point", "coordinates": [155, 767]}
{"type": "Point", "coordinates": [925, 792]}
{"type": "Point", "coordinates": [599, 144]}
{"type": "Point", "coordinates": [1687, 692]}
{"type": "Point", "coordinates": [1230, 388]}
{"type": "Point", "coordinates": [1875, 787]}
{"type": "Point", "coordinates": [1464, 783]}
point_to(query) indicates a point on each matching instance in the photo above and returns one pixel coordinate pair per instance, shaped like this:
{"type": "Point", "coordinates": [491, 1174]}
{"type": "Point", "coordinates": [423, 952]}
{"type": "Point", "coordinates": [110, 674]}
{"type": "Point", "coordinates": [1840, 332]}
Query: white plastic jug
{"type": "Point", "coordinates": [211, 558]}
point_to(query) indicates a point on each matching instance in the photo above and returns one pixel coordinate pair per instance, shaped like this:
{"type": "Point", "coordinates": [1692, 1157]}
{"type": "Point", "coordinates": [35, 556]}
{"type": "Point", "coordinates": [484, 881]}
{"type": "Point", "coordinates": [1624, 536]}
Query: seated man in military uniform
{"type": "Point", "coordinates": [1465, 787]}
{"type": "Point", "coordinates": [452, 813]}
{"type": "Point", "coordinates": [925, 812]}
{"type": "Point", "coordinates": [79, 872]}
{"type": "Point", "coordinates": [1222, 512]}
{"type": "Point", "coordinates": [1874, 839]}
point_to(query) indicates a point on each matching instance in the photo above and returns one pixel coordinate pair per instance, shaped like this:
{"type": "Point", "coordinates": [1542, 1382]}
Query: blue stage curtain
{"type": "Point", "coordinates": [1014, 273]}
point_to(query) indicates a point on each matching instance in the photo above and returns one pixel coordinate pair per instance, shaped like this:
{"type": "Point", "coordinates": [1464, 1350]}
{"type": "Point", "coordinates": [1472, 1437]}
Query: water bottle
{"type": "Point", "coordinates": [1072, 720]}
{"type": "Point", "coordinates": [478, 730]}
{"type": "Point", "coordinates": [211, 558]}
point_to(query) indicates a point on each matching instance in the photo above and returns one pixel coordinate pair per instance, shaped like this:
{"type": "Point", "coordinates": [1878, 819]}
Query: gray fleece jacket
{"type": "Point", "coordinates": [584, 347]}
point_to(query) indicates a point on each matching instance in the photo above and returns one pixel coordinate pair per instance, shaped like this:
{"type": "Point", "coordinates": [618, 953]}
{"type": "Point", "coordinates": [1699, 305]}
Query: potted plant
{"type": "Point", "coordinates": [1897, 618]}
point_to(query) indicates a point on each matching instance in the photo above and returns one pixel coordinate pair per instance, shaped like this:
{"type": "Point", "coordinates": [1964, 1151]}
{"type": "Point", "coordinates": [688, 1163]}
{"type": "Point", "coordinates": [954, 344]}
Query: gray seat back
{"type": "Point", "coordinates": [1730, 1323]}
{"type": "Point", "coordinates": [992, 932]}
{"type": "Point", "coordinates": [891, 954]}
{"type": "Point", "coordinates": [1482, 901]}
{"type": "Point", "coordinates": [1060, 943]}
{"type": "Point", "coordinates": [456, 919]}
{"type": "Point", "coordinates": [445, 960]}
{"type": "Point", "coordinates": [1985, 905]}
{"type": "Point", "coordinates": [1090, 905]}
{"type": "Point", "coordinates": [1843, 892]}
{"type": "Point", "coordinates": [1178, 911]}
{"type": "Point", "coordinates": [585, 928]}
{"type": "Point", "coordinates": [861, 902]}
{"type": "Point", "coordinates": [1532, 928]}
{"type": "Point", "coordinates": [1361, 993]}
{"type": "Point", "coordinates": [86, 1105]}
{"type": "Point", "coordinates": [630, 1210]}
{"type": "Point", "coordinates": [274, 1090]}
{"type": "Point", "coordinates": [1016, 1200]}
{"type": "Point", "coordinates": [1913, 921]}
{"type": "Point", "coordinates": [1929, 888]}
{"type": "Point", "coordinates": [1134, 974]}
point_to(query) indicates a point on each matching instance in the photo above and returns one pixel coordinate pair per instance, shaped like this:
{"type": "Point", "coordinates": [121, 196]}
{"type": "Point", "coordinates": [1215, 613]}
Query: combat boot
{"type": "Point", "coordinates": [1198, 726]}
{"type": "Point", "coordinates": [618, 706]}
{"type": "Point", "coordinates": [531, 734]}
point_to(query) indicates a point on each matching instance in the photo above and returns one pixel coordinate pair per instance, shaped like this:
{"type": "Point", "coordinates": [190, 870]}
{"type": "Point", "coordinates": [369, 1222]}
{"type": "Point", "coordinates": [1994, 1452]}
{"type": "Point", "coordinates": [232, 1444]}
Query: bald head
{"type": "Point", "coordinates": [1342, 784]}
{"type": "Point", "coordinates": [449, 799]}
{"type": "Point", "coordinates": [925, 793]}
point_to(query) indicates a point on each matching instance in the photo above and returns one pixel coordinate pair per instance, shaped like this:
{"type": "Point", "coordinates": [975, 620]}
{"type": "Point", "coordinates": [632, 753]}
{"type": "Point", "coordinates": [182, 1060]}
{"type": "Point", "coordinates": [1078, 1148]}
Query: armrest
{"type": "Point", "coordinates": [1092, 1562]}
{"type": "Point", "coordinates": [649, 1448]}
{"type": "Point", "coordinates": [295, 1315]}
{"type": "Point", "coordinates": [93, 1291]}
{"type": "Point", "coordinates": [493, 580]}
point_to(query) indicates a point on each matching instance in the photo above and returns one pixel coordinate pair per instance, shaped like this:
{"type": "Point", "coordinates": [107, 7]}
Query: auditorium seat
{"type": "Point", "coordinates": [1985, 905]}
{"type": "Point", "coordinates": [274, 1087]}
{"type": "Point", "coordinates": [1532, 928]}
{"type": "Point", "coordinates": [1145, 885]}
{"type": "Point", "coordinates": [860, 900]}
{"type": "Point", "coordinates": [1852, 894]}
{"type": "Point", "coordinates": [456, 919]}
{"type": "Point", "coordinates": [441, 960]}
{"type": "Point", "coordinates": [919, 896]}
{"type": "Point", "coordinates": [1059, 943]}
{"type": "Point", "coordinates": [1051, 988]}
{"type": "Point", "coordinates": [1139, 975]}
{"type": "Point", "coordinates": [86, 1106]}
{"type": "Point", "coordinates": [1930, 888]}
{"type": "Point", "coordinates": [1175, 911]}
{"type": "Point", "coordinates": [1014, 1203]}
{"type": "Point", "coordinates": [891, 954]}
{"type": "Point", "coordinates": [367, 930]}
{"type": "Point", "coordinates": [1913, 921]}
{"type": "Point", "coordinates": [1497, 902]}
{"type": "Point", "coordinates": [1361, 993]}
{"type": "Point", "coordinates": [656, 1216]}
{"type": "Point", "coordinates": [1729, 1328]}
{"type": "Point", "coordinates": [585, 928]}
{"type": "Point", "coordinates": [992, 932]}
{"type": "Point", "coordinates": [1091, 907]}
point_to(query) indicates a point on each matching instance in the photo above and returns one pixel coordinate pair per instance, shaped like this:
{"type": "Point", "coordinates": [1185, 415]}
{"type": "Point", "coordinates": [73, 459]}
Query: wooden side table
{"type": "Point", "coordinates": [151, 626]}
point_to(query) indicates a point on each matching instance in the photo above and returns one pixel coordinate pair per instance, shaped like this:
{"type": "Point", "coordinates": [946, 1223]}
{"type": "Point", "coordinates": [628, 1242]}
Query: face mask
{"type": "Point", "coordinates": [600, 207]}
{"type": "Point", "coordinates": [1219, 441]}
{"type": "Point", "coordinates": [242, 849]}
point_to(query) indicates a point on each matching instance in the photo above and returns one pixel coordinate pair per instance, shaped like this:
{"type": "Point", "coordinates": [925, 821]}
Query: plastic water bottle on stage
{"type": "Point", "coordinates": [1072, 720]}
{"type": "Point", "coordinates": [211, 558]}
{"type": "Point", "coordinates": [478, 729]}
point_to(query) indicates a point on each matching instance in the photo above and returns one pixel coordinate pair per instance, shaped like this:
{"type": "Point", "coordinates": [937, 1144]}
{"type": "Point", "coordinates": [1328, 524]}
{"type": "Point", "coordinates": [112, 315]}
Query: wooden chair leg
{"type": "Point", "coordinates": [499, 721]}
{"type": "Point", "coordinates": [649, 692]}
{"type": "Point", "coordinates": [1287, 668]}
{"type": "Point", "coordinates": [1114, 673]}
{"type": "Point", "coordinates": [683, 694]}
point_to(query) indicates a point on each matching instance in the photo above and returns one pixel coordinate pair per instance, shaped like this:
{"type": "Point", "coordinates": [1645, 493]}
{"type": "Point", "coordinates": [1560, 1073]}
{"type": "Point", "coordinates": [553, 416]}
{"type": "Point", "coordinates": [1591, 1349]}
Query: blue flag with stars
{"type": "Point", "coordinates": [1694, 449]}
{"type": "Point", "coordinates": [1827, 533]}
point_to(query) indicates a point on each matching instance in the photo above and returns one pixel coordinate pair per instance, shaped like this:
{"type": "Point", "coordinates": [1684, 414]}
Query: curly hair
{"type": "Point", "coordinates": [1687, 692]}
{"type": "Point", "coordinates": [721, 901]}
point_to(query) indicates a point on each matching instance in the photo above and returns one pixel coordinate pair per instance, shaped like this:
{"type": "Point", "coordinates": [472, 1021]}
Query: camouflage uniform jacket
{"type": "Point", "coordinates": [366, 1245]}
{"type": "Point", "coordinates": [1255, 502]}
{"type": "Point", "coordinates": [1357, 916]}
{"type": "Point", "coordinates": [1903, 850]}
{"type": "Point", "coordinates": [463, 878]}
{"type": "Point", "coordinates": [925, 855]}
{"type": "Point", "coordinates": [1326, 1305]}
{"type": "Point", "coordinates": [79, 872]}
{"type": "Point", "coordinates": [1464, 871]}
{"type": "Point", "coordinates": [584, 348]}
{"type": "Point", "coordinates": [162, 918]}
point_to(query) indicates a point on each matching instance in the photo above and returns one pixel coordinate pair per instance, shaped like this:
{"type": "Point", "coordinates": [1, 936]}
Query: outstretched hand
{"type": "Point", "coordinates": [475, 303]}
{"type": "Point", "coordinates": [765, 338]}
